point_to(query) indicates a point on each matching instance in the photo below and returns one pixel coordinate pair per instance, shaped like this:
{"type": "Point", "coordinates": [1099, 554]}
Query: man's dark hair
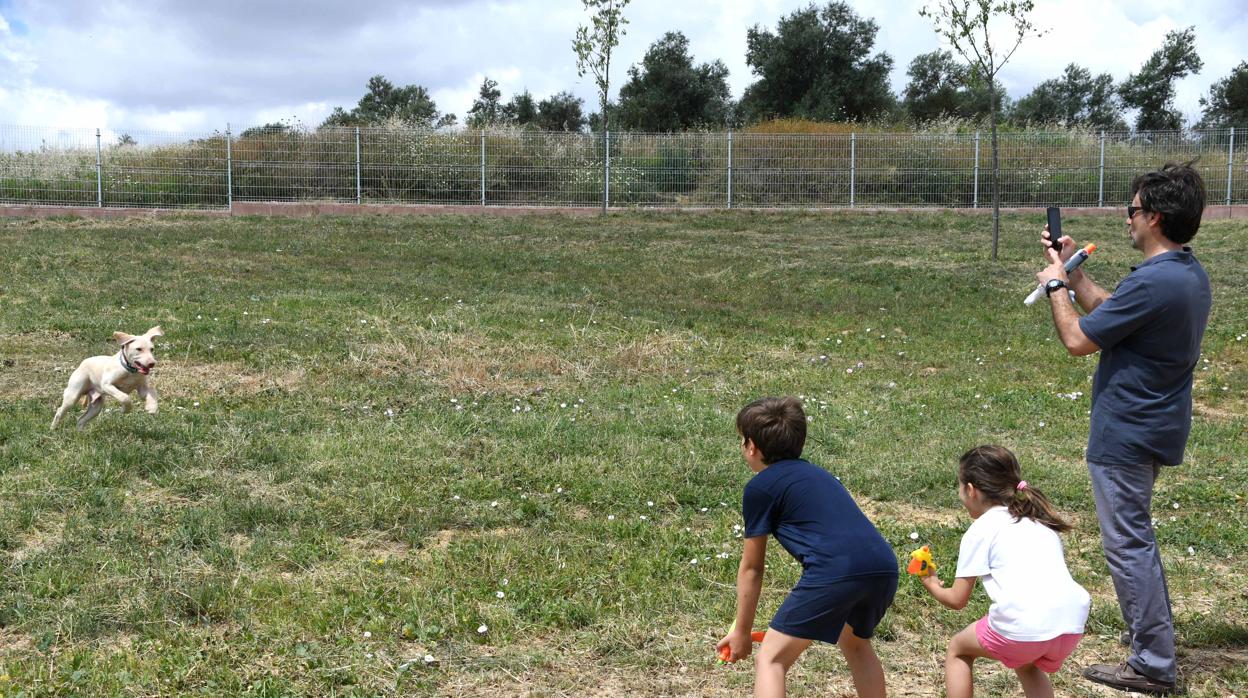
{"type": "Point", "coordinates": [776, 425]}
{"type": "Point", "coordinates": [1177, 192]}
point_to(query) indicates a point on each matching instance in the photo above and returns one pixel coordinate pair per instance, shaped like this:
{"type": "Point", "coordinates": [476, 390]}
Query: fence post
{"type": "Point", "coordinates": [482, 167]}
{"type": "Point", "coordinates": [853, 160]}
{"type": "Point", "coordinates": [606, 168]}
{"type": "Point", "coordinates": [1100, 186]}
{"type": "Point", "coordinates": [359, 192]}
{"type": "Point", "coordinates": [229, 169]}
{"type": "Point", "coordinates": [1230, 158]}
{"type": "Point", "coordinates": [729, 168]}
{"type": "Point", "coordinates": [99, 172]}
{"type": "Point", "coordinates": [975, 190]}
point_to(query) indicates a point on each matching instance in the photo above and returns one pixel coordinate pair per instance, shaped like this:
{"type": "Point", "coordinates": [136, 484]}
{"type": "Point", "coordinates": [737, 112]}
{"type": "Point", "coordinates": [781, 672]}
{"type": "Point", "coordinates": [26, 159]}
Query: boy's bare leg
{"type": "Point", "coordinates": [775, 656]}
{"type": "Point", "coordinates": [963, 649]}
{"type": "Point", "coordinates": [863, 664]}
{"type": "Point", "coordinates": [1035, 682]}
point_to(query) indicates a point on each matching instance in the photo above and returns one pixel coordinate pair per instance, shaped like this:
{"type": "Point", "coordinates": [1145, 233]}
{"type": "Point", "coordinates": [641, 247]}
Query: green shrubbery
{"type": "Point", "coordinates": [785, 163]}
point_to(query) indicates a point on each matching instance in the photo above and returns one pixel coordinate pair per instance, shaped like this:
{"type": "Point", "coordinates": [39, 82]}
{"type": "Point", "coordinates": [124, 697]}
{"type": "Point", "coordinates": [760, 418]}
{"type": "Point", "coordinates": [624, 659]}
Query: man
{"type": "Point", "coordinates": [1148, 332]}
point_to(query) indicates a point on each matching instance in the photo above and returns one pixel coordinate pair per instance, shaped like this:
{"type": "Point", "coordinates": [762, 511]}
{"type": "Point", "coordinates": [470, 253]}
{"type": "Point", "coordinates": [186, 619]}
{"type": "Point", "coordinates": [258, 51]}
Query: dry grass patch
{"type": "Point", "coordinates": [909, 513]}
{"type": "Point", "coordinates": [190, 379]}
{"type": "Point", "coordinates": [654, 354]}
{"type": "Point", "coordinates": [46, 534]}
{"type": "Point", "coordinates": [461, 362]}
{"type": "Point", "coordinates": [145, 495]}
{"type": "Point", "coordinates": [376, 548]}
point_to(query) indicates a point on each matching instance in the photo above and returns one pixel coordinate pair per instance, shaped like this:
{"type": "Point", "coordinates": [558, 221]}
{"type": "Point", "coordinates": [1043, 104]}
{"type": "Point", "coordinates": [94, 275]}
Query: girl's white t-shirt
{"type": "Point", "coordinates": [1023, 569]}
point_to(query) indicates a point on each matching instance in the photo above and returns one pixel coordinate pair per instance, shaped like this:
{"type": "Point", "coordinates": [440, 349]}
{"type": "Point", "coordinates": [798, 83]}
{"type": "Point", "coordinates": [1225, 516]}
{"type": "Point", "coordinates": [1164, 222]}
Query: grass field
{"type": "Point", "coordinates": [495, 456]}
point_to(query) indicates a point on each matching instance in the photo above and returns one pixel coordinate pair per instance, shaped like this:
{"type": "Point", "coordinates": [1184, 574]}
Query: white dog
{"type": "Point", "coordinates": [117, 376]}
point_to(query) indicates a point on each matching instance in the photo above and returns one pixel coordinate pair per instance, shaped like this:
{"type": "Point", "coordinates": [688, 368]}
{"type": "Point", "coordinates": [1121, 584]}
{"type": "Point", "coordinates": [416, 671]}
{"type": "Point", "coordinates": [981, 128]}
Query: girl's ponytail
{"type": "Point", "coordinates": [994, 471]}
{"type": "Point", "coordinates": [1031, 502]}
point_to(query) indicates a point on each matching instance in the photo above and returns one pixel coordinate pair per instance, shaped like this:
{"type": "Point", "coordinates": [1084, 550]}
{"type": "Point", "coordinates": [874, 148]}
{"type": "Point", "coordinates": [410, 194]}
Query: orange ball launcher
{"type": "Point", "coordinates": [725, 652]}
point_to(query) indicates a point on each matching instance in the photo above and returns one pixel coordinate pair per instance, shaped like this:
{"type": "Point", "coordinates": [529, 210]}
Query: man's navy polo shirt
{"type": "Point", "coordinates": [815, 519]}
{"type": "Point", "coordinates": [1149, 332]}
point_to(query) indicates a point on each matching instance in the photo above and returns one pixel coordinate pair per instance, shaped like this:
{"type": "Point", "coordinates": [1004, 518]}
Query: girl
{"type": "Point", "coordinates": [1037, 611]}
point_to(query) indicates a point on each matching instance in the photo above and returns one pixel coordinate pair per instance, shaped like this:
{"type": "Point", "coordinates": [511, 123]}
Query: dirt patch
{"type": "Point", "coordinates": [586, 681]}
{"type": "Point", "coordinates": [1220, 414]}
{"type": "Point", "coordinates": [443, 538]}
{"type": "Point", "coordinates": [903, 511]}
{"type": "Point", "coordinates": [11, 641]}
{"type": "Point", "coordinates": [377, 549]}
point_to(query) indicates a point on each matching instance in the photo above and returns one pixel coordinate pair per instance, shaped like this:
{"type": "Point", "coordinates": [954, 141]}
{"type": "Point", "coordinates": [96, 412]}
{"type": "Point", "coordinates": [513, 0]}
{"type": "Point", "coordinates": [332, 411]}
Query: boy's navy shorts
{"type": "Point", "coordinates": [820, 613]}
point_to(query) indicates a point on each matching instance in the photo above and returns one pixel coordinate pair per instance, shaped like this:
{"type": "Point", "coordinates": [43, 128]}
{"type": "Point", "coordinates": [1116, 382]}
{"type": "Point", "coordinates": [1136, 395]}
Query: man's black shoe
{"type": "Point", "coordinates": [1125, 678]}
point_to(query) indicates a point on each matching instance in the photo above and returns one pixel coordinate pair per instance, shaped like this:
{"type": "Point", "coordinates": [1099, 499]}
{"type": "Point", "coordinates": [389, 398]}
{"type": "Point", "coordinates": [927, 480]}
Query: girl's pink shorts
{"type": "Point", "coordinates": [1047, 655]}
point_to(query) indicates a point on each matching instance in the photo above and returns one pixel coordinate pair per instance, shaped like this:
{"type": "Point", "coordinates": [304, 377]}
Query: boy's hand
{"type": "Point", "coordinates": [738, 643]}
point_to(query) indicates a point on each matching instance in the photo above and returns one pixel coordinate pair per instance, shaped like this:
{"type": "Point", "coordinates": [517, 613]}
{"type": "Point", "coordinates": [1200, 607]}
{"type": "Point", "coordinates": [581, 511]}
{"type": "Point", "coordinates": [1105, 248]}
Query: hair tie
{"type": "Point", "coordinates": [1022, 485]}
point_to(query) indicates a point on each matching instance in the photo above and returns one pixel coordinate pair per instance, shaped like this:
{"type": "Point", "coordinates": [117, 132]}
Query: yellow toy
{"type": "Point", "coordinates": [921, 563]}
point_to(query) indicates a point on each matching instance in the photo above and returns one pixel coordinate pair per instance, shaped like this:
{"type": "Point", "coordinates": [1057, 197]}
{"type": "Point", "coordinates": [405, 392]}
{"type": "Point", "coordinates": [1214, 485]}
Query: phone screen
{"type": "Point", "coordinates": [1055, 226]}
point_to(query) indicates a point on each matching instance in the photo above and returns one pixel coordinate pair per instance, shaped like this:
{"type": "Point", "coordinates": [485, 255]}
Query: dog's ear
{"type": "Point", "coordinates": [122, 338]}
{"type": "Point", "coordinates": [155, 332]}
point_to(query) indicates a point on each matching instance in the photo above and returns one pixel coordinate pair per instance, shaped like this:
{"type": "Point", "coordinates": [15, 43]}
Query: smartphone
{"type": "Point", "coordinates": [1055, 227]}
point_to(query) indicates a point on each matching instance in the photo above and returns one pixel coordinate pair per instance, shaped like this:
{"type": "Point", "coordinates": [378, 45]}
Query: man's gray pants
{"type": "Point", "coordinates": [1124, 495]}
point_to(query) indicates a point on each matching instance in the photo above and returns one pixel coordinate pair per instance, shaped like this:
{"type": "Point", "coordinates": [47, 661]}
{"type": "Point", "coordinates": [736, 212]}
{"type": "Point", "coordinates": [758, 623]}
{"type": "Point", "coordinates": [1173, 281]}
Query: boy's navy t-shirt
{"type": "Point", "coordinates": [815, 519]}
{"type": "Point", "coordinates": [1149, 332]}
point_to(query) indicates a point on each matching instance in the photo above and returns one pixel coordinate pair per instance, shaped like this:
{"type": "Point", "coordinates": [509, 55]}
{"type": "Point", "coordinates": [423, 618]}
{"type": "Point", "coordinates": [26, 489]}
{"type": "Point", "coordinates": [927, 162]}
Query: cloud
{"type": "Point", "coordinates": [170, 64]}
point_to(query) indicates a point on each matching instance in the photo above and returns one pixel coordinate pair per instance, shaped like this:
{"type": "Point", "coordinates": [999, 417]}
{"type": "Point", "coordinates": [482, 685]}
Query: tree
{"type": "Point", "coordinates": [1152, 89]}
{"type": "Point", "coordinates": [273, 128]}
{"type": "Point", "coordinates": [593, 45]}
{"type": "Point", "coordinates": [383, 102]}
{"type": "Point", "coordinates": [1227, 104]}
{"type": "Point", "coordinates": [817, 65]}
{"type": "Point", "coordinates": [940, 87]}
{"type": "Point", "coordinates": [667, 92]}
{"type": "Point", "coordinates": [521, 110]}
{"type": "Point", "coordinates": [964, 24]}
{"type": "Point", "coordinates": [1075, 99]}
{"type": "Point", "coordinates": [560, 112]}
{"type": "Point", "coordinates": [486, 109]}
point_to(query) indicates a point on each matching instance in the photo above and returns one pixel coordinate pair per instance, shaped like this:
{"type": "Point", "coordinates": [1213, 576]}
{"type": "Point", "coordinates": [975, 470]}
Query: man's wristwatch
{"type": "Point", "coordinates": [1053, 285]}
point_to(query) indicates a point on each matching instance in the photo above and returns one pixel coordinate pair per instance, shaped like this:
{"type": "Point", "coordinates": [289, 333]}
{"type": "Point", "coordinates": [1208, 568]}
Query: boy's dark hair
{"type": "Point", "coordinates": [1177, 192]}
{"type": "Point", "coordinates": [994, 471]}
{"type": "Point", "coordinates": [776, 425]}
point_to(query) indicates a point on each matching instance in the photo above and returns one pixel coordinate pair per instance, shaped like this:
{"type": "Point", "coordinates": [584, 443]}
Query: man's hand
{"type": "Point", "coordinates": [1055, 270]}
{"type": "Point", "coordinates": [1068, 246]}
{"type": "Point", "coordinates": [738, 643]}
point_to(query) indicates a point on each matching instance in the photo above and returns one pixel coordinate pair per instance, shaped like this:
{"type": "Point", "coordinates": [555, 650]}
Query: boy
{"type": "Point", "coordinates": [849, 572]}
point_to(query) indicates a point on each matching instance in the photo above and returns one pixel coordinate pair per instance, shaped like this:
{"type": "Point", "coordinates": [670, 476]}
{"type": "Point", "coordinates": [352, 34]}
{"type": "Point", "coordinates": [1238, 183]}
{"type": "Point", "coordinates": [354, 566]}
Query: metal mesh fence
{"type": "Point", "coordinates": [519, 167]}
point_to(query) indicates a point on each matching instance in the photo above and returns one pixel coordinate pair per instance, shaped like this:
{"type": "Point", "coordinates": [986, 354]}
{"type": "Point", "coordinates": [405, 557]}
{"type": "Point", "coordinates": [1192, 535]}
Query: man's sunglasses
{"type": "Point", "coordinates": [1132, 210]}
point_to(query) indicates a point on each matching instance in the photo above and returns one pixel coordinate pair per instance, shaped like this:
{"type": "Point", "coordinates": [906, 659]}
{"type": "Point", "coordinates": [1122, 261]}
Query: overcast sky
{"type": "Point", "coordinates": [192, 66]}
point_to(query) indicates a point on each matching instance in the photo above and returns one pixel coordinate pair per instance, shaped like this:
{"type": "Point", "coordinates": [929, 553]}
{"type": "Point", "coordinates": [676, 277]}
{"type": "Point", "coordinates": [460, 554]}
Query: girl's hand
{"type": "Point", "coordinates": [738, 643]}
{"type": "Point", "coordinates": [932, 582]}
